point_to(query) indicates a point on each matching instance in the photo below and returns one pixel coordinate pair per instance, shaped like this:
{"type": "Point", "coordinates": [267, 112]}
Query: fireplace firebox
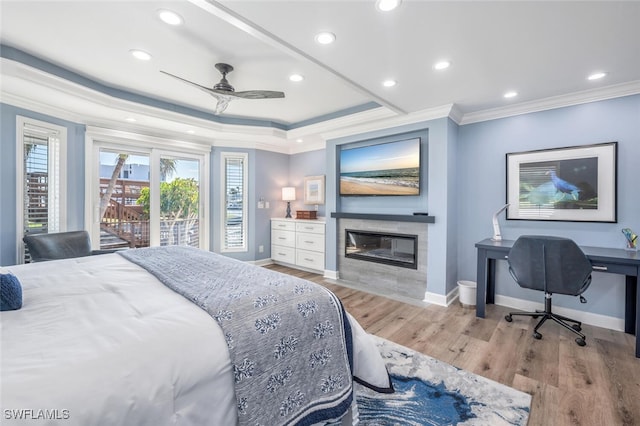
{"type": "Point", "coordinates": [391, 249]}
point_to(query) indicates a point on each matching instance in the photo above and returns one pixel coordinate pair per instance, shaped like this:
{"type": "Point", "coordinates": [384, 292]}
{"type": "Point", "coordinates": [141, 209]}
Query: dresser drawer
{"type": "Point", "coordinates": [314, 228]}
{"type": "Point", "coordinates": [313, 242]}
{"type": "Point", "coordinates": [283, 238]}
{"type": "Point", "coordinates": [283, 225]}
{"type": "Point", "coordinates": [310, 259]}
{"type": "Point", "coordinates": [283, 254]}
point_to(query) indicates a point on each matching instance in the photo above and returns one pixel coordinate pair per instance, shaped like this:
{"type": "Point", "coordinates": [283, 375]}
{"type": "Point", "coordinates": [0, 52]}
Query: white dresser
{"type": "Point", "coordinates": [298, 242]}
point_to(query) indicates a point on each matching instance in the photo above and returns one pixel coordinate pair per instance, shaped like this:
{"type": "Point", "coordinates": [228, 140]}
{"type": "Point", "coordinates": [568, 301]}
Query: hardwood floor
{"type": "Point", "coordinates": [598, 384]}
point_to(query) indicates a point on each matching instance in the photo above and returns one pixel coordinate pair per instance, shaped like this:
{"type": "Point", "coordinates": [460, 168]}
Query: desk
{"type": "Point", "coordinates": [615, 261]}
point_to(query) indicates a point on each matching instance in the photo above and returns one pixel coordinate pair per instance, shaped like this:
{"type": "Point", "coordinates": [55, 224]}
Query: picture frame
{"type": "Point", "coordinates": [572, 184]}
{"type": "Point", "coordinates": [314, 189]}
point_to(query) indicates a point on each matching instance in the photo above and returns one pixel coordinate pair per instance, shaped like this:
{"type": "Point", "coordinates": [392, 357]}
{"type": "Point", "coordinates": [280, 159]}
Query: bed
{"type": "Point", "coordinates": [114, 339]}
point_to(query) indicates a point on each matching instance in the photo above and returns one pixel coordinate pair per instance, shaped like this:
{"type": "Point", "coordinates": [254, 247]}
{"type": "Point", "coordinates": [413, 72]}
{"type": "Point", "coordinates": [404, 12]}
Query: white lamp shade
{"type": "Point", "coordinates": [288, 193]}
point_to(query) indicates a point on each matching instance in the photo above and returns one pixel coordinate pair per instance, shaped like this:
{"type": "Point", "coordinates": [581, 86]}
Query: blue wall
{"type": "Point", "coordinates": [8, 184]}
{"type": "Point", "coordinates": [465, 177]}
{"type": "Point", "coordinates": [438, 199]}
{"type": "Point", "coordinates": [481, 188]}
{"type": "Point", "coordinates": [311, 163]}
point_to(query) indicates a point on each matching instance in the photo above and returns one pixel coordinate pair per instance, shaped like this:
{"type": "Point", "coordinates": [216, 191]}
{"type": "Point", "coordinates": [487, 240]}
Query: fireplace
{"type": "Point", "coordinates": [390, 249]}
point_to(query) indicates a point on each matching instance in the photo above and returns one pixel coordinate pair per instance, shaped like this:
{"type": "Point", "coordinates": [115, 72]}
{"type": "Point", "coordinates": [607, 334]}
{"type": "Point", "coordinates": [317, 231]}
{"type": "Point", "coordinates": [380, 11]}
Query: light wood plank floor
{"type": "Point", "coordinates": [598, 384]}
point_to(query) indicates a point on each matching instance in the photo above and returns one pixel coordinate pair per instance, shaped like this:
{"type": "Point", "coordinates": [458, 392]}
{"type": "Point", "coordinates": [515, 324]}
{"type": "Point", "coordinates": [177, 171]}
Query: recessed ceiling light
{"type": "Point", "coordinates": [325, 38]}
{"type": "Point", "coordinates": [296, 77]}
{"type": "Point", "coordinates": [130, 119]}
{"type": "Point", "coordinates": [140, 54]}
{"type": "Point", "coordinates": [441, 65]}
{"type": "Point", "coordinates": [511, 94]}
{"type": "Point", "coordinates": [299, 140]}
{"type": "Point", "coordinates": [169, 17]}
{"type": "Point", "coordinates": [389, 83]}
{"type": "Point", "coordinates": [387, 5]}
{"type": "Point", "coordinates": [191, 132]}
{"type": "Point", "coordinates": [596, 75]}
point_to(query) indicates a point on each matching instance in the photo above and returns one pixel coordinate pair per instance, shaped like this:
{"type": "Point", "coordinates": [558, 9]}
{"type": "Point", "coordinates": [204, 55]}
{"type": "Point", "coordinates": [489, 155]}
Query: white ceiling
{"type": "Point", "coordinates": [542, 50]}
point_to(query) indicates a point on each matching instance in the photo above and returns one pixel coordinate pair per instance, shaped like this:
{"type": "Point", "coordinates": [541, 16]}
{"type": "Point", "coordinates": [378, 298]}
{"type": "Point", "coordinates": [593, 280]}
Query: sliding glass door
{"type": "Point", "coordinates": [146, 196]}
{"type": "Point", "coordinates": [124, 179]}
{"type": "Point", "coordinates": [179, 202]}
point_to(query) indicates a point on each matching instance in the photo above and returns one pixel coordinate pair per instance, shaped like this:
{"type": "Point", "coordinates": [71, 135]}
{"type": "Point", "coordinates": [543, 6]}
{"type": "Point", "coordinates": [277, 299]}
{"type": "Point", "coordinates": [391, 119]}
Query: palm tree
{"type": "Point", "coordinates": [106, 197]}
{"type": "Point", "coordinates": [167, 168]}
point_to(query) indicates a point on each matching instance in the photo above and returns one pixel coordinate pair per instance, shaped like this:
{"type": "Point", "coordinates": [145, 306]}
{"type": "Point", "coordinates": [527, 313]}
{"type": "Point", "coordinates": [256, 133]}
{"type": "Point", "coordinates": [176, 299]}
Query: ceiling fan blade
{"type": "Point", "coordinates": [259, 94]}
{"type": "Point", "coordinates": [186, 81]}
{"type": "Point", "coordinates": [224, 92]}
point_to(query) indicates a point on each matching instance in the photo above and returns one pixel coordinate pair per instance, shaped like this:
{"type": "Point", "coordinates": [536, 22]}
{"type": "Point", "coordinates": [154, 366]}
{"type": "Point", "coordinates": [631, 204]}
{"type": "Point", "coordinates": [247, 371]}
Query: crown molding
{"type": "Point", "coordinates": [554, 102]}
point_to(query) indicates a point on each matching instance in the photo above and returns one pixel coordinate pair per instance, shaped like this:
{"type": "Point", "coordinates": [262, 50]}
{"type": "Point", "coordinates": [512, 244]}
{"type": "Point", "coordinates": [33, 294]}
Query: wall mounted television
{"type": "Point", "coordinates": [384, 169]}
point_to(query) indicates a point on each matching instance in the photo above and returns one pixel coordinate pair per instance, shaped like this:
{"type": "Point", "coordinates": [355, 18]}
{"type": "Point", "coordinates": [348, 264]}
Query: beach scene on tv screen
{"type": "Point", "coordinates": [391, 168]}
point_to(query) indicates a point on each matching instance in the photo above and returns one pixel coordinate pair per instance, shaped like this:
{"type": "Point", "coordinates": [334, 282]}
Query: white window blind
{"type": "Point", "coordinates": [234, 202]}
{"type": "Point", "coordinates": [36, 184]}
{"type": "Point", "coordinates": [41, 171]}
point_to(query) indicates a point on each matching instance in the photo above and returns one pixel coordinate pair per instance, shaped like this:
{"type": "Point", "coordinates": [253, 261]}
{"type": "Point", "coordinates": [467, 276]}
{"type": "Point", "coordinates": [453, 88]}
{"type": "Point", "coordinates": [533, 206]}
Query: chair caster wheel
{"type": "Point", "coordinates": [580, 341]}
{"type": "Point", "coordinates": [576, 327]}
{"type": "Point", "coordinates": [508, 318]}
{"type": "Point", "coordinates": [537, 335]}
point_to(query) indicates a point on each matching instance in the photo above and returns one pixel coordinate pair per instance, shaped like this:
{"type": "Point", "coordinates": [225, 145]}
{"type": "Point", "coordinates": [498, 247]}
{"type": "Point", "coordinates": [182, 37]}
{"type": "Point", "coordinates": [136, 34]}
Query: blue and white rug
{"type": "Point", "coordinates": [432, 392]}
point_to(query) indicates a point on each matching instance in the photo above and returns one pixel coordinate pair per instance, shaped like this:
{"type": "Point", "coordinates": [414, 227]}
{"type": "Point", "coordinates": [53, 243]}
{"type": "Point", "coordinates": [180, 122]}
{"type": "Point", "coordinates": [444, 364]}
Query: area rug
{"type": "Point", "coordinates": [432, 392]}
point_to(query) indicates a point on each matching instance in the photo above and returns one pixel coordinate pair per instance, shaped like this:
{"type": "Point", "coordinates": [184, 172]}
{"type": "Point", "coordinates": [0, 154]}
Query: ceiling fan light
{"type": "Point", "coordinates": [140, 54]}
{"type": "Point", "coordinates": [325, 37]}
{"type": "Point", "coordinates": [170, 17]}
{"type": "Point", "coordinates": [387, 5]}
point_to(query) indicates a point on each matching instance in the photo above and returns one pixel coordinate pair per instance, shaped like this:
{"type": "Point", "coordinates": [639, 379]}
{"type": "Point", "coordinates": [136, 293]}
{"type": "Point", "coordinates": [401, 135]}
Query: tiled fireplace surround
{"type": "Point", "coordinates": [403, 283]}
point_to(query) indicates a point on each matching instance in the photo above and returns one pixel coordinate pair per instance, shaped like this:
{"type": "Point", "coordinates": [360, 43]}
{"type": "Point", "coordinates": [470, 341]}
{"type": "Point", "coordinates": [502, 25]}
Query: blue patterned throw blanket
{"type": "Point", "coordinates": [289, 339]}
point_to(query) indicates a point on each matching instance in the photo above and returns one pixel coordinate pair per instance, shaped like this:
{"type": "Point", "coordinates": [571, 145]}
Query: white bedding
{"type": "Point", "coordinates": [99, 340]}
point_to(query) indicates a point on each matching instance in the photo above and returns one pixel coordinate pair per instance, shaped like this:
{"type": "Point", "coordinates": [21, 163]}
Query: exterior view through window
{"type": "Point", "coordinates": [126, 200]}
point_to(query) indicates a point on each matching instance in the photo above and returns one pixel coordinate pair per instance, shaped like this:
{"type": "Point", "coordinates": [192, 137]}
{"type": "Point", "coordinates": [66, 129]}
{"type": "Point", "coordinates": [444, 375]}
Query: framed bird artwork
{"type": "Point", "coordinates": [575, 184]}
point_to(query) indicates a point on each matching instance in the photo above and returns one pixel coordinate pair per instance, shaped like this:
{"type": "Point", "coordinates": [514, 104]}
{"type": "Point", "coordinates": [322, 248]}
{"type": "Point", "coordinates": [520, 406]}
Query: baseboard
{"type": "Point", "coordinates": [331, 275]}
{"type": "Point", "coordinates": [598, 320]}
{"type": "Point", "coordinates": [262, 262]}
{"type": "Point", "coordinates": [438, 299]}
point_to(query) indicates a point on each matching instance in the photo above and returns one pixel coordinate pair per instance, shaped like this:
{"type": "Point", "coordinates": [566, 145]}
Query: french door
{"type": "Point", "coordinates": [147, 196]}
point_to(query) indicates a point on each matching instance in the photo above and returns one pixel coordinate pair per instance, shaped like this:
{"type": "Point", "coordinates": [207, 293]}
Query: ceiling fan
{"type": "Point", "coordinates": [225, 93]}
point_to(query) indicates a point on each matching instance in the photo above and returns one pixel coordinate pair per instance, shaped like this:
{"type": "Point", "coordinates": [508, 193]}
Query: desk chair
{"type": "Point", "coordinates": [553, 265]}
{"type": "Point", "coordinates": [61, 245]}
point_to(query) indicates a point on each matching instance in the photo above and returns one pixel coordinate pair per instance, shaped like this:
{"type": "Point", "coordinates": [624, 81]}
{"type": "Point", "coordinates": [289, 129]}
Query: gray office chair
{"type": "Point", "coordinates": [553, 265]}
{"type": "Point", "coordinates": [61, 245]}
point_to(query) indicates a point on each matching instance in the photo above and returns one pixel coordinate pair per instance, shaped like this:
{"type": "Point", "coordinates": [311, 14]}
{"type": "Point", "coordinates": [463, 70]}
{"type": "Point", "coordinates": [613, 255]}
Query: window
{"type": "Point", "coordinates": [234, 201]}
{"type": "Point", "coordinates": [41, 166]}
{"type": "Point", "coordinates": [147, 191]}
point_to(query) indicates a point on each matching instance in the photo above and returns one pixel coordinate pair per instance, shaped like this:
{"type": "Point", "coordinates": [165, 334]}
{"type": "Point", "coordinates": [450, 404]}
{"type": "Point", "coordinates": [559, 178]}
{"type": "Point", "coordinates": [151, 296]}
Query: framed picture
{"type": "Point", "coordinates": [565, 184]}
{"type": "Point", "coordinates": [314, 189]}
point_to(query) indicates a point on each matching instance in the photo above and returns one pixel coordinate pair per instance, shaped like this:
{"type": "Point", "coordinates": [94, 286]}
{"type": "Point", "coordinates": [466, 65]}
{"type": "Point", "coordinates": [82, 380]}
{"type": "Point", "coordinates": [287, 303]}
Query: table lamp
{"type": "Point", "coordinates": [288, 195]}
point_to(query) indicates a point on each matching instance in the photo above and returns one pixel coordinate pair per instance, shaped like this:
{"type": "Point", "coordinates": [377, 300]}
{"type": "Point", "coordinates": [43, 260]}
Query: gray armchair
{"type": "Point", "coordinates": [553, 265]}
{"type": "Point", "coordinates": [61, 245]}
